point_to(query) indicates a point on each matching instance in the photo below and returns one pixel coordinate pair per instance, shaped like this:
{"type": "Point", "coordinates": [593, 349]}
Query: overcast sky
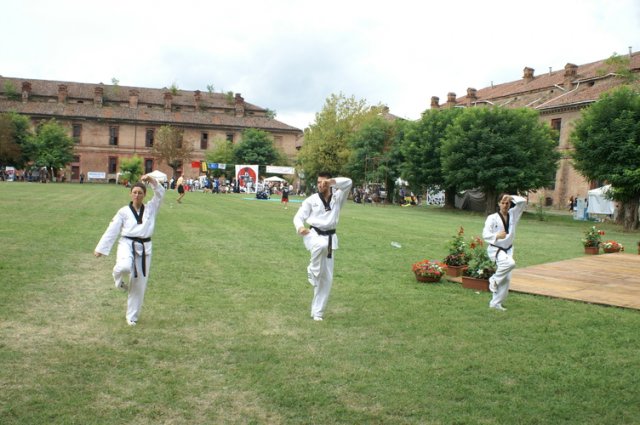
{"type": "Point", "coordinates": [289, 56]}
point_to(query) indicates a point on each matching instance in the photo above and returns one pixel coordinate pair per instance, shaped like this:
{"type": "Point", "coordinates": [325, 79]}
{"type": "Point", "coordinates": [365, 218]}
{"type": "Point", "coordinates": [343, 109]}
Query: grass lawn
{"type": "Point", "coordinates": [225, 335]}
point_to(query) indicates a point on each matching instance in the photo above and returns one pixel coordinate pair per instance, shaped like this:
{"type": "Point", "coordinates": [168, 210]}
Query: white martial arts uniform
{"type": "Point", "coordinates": [320, 269]}
{"type": "Point", "coordinates": [124, 223]}
{"type": "Point", "coordinates": [501, 250]}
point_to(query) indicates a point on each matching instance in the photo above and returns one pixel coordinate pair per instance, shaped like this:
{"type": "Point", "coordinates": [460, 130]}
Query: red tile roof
{"type": "Point", "coordinates": [220, 111]}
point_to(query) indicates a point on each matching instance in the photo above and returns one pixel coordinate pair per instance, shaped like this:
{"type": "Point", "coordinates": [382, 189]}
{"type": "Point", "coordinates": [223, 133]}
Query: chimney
{"type": "Point", "coordinates": [97, 96]}
{"type": "Point", "coordinates": [62, 93]}
{"type": "Point", "coordinates": [239, 105]}
{"type": "Point", "coordinates": [528, 74]}
{"type": "Point", "coordinates": [570, 74]}
{"type": "Point", "coordinates": [472, 95]}
{"type": "Point", "coordinates": [198, 99]}
{"type": "Point", "coordinates": [435, 102]}
{"type": "Point", "coordinates": [26, 91]}
{"type": "Point", "coordinates": [133, 98]}
{"type": "Point", "coordinates": [167, 101]}
{"type": "Point", "coordinates": [451, 99]}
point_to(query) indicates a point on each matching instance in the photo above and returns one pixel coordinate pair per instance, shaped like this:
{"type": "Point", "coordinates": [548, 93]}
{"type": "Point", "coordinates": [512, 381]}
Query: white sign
{"type": "Point", "coordinates": [274, 169]}
{"type": "Point", "coordinates": [96, 175]}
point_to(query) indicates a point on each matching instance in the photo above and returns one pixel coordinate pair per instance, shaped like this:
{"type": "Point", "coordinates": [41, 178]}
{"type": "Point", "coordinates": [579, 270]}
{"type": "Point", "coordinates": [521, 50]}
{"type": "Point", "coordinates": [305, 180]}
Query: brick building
{"type": "Point", "coordinates": [111, 122]}
{"type": "Point", "coordinates": [559, 96]}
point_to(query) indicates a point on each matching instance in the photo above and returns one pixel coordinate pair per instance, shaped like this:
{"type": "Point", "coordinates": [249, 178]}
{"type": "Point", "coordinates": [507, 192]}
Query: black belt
{"type": "Point", "coordinates": [144, 256]}
{"type": "Point", "coordinates": [501, 249]}
{"type": "Point", "coordinates": [328, 233]}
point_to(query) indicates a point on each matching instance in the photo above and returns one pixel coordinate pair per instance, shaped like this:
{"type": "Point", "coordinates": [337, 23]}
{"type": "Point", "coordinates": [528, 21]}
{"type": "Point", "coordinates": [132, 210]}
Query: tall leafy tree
{"type": "Point", "coordinates": [326, 141]}
{"type": "Point", "coordinates": [421, 146]}
{"type": "Point", "coordinates": [222, 152]}
{"type": "Point", "coordinates": [168, 147]}
{"type": "Point", "coordinates": [52, 147]}
{"type": "Point", "coordinates": [607, 147]}
{"type": "Point", "coordinates": [15, 139]}
{"type": "Point", "coordinates": [257, 147]}
{"type": "Point", "coordinates": [131, 168]}
{"type": "Point", "coordinates": [499, 150]}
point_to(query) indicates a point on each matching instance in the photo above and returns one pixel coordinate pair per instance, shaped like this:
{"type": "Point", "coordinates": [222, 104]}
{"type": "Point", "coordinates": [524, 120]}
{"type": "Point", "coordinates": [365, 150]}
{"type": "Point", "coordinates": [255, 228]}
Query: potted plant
{"type": "Point", "coordinates": [458, 257]}
{"type": "Point", "coordinates": [480, 267]}
{"type": "Point", "coordinates": [428, 271]}
{"type": "Point", "coordinates": [592, 239]}
{"type": "Point", "coordinates": [612, 246]}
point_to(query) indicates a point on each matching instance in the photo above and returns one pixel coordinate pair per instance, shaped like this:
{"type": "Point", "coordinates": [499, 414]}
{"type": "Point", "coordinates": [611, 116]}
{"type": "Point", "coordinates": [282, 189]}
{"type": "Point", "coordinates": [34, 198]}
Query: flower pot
{"type": "Point", "coordinates": [427, 279]}
{"type": "Point", "coordinates": [475, 283]}
{"type": "Point", "coordinates": [611, 250]}
{"type": "Point", "coordinates": [455, 271]}
{"type": "Point", "coordinates": [591, 250]}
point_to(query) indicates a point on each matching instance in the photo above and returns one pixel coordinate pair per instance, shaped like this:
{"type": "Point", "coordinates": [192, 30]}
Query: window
{"type": "Point", "coordinates": [113, 164]}
{"type": "Point", "coordinates": [113, 136]}
{"type": "Point", "coordinates": [76, 132]}
{"type": "Point", "coordinates": [150, 136]}
{"type": "Point", "coordinates": [148, 165]}
{"type": "Point", "coordinates": [230, 137]}
{"type": "Point", "coordinates": [204, 140]}
{"type": "Point", "coordinates": [556, 124]}
{"type": "Point", "coordinates": [76, 159]}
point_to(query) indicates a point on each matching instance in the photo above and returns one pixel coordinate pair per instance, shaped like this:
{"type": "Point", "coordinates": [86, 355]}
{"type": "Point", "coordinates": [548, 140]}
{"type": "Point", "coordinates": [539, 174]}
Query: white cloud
{"type": "Point", "coordinates": [290, 55]}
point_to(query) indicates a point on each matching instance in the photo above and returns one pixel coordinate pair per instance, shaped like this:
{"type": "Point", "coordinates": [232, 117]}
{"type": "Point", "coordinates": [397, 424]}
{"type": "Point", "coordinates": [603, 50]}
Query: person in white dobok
{"type": "Point", "coordinates": [499, 232]}
{"type": "Point", "coordinates": [134, 224]}
{"type": "Point", "coordinates": [321, 211]}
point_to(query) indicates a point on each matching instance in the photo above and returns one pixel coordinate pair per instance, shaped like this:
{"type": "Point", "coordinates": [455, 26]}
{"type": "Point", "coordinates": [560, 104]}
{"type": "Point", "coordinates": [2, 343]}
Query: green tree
{"type": "Point", "coordinates": [52, 147]}
{"type": "Point", "coordinates": [421, 146]}
{"type": "Point", "coordinates": [131, 168]}
{"type": "Point", "coordinates": [326, 141]}
{"type": "Point", "coordinates": [169, 148]}
{"type": "Point", "coordinates": [222, 152]}
{"type": "Point", "coordinates": [499, 150]}
{"type": "Point", "coordinates": [257, 147]}
{"type": "Point", "coordinates": [15, 139]}
{"type": "Point", "coordinates": [607, 147]}
{"type": "Point", "coordinates": [373, 159]}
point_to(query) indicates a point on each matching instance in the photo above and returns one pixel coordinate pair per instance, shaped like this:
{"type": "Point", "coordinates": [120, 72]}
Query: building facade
{"type": "Point", "coordinates": [112, 122]}
{"type": "Point", "coordinates": [559, 96]}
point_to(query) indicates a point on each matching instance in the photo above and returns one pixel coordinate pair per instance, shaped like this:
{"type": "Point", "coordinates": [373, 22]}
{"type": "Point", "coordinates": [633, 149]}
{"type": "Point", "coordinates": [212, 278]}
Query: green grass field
{"type": "Point", "coordinates": [225, 335]}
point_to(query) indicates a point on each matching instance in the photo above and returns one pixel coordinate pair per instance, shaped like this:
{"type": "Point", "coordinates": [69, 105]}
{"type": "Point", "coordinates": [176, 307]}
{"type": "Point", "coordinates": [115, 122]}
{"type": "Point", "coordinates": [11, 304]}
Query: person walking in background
{"type": "Point", "coordinates": [499, 232]}
{"type": "Point", "coordinates": [285, 195]}
{"type": "Point", "coordinates": [135, 224]}
{"type": "Point", "coordinates": [321, 211]}
{"type": "Point", "coordinates": [180, 188]}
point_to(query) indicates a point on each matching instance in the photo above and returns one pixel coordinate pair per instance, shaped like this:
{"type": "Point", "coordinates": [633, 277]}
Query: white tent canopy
{"type": "Point", "coordinates": [274, 179]}
{"type": "Point", "coordinates": [599, 203]}
{"type": "Point", "coordinates": [159, 175]}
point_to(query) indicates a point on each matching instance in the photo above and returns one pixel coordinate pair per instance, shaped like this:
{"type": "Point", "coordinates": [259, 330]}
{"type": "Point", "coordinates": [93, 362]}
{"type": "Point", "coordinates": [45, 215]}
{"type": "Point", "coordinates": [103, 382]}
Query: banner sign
{"type": "Point", "coordinates": [217, 166]}
{"type": "Point", "coordinates": [195, 164]}
{"type": "Point", "coordinates": [274, 169]}
{"type": "Point", "coordinates": [96, 175]}
{"type": "Point", "coordinates": [247, 176]}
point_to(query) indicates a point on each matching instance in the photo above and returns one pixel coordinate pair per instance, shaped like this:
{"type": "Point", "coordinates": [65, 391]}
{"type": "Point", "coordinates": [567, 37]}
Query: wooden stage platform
{"type": "Point", "coordinates": [607, 279]}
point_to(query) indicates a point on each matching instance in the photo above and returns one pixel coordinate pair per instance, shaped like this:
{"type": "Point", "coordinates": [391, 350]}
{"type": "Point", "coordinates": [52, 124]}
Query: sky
{"type": "Point", "coordinates": [290, 56]}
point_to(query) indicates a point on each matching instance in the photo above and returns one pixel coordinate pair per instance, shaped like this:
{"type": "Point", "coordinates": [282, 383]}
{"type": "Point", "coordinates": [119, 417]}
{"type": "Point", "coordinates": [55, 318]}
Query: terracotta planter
{"type": "Point", "coordinates": [474, 283]}
{"type": "Point", "coordinates": [455, 271]}
{"type": "Point", "coordinates": [427, 279]}
{"type": "Point", "coordinates": [610, 250]}
{"type": "Point", "coordinates": [591, 250]}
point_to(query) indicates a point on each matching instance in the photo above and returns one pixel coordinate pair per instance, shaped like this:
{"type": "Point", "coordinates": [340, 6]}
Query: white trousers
{"type": "Point", "coordinates": [502, 277]}
{"type": "Point", "coordinates": [123, 270]}
{"type": "Point", "coordinates": [319, 272]}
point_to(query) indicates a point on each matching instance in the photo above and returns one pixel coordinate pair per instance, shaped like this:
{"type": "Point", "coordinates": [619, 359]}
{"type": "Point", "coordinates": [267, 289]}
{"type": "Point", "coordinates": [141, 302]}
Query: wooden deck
{"type": "Point", "coordinates": [607, 279]}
